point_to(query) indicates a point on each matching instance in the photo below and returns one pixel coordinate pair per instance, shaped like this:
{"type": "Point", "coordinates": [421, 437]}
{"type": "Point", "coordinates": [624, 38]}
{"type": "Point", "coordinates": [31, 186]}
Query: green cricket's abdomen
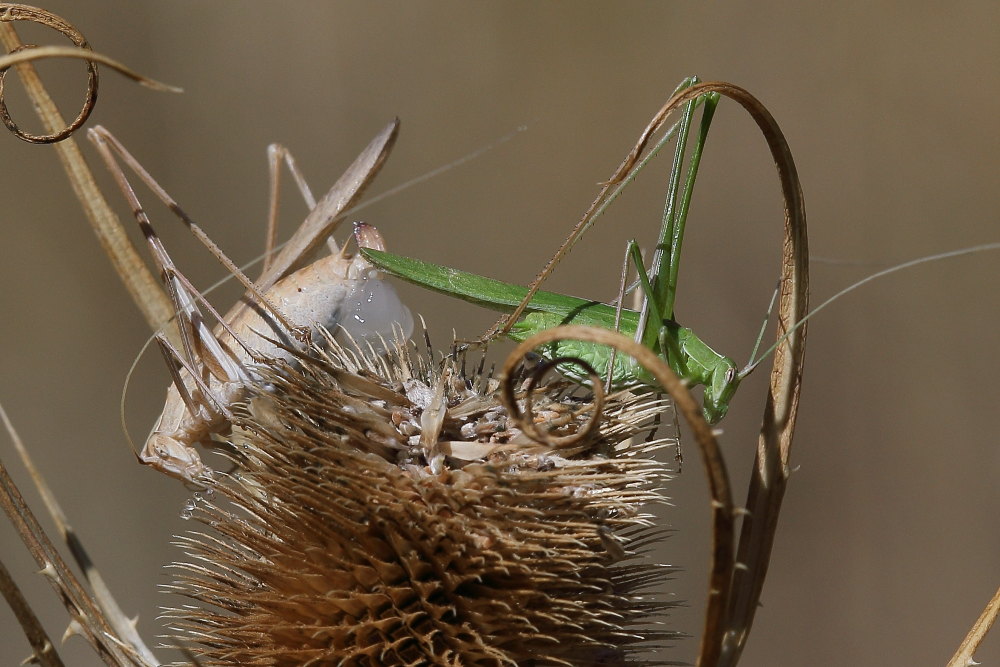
{"type": "Point", "coordinates": [625, 371]}
{"type": "Point", "coordinates": [686, 354]}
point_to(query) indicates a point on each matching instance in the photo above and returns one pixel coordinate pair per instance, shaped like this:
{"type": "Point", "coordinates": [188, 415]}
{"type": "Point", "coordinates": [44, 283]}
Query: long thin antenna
{"type": "Point", "coordinates": [971, 250]}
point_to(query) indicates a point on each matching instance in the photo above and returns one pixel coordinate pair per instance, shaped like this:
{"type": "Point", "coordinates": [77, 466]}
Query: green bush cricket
{"type": "Point", "coordinates": [690, 357]}
{"type": "Point", "coordinates": [654, 326]}
{"type": "Point", "coordinates": [687, 354]}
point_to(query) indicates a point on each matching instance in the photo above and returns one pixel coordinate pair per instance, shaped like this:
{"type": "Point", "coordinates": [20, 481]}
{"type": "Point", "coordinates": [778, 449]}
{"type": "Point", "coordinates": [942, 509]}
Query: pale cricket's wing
{"type": "Point", "coordinates": [323, 219]}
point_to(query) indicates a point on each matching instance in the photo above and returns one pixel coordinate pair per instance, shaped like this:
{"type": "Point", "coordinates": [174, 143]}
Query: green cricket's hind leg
{"type": "Point", "coordinates": [651, 317]}
{"type": "Point", "coordinates": [655, 334]}
{"type": "Point", "coordinates": [633, 255]}
{"type": "Point", "coordinates": [623, 289]}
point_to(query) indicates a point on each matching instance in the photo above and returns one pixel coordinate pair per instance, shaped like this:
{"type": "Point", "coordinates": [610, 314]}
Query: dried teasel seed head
{"type": "Point", "coordinates": [384, 511]}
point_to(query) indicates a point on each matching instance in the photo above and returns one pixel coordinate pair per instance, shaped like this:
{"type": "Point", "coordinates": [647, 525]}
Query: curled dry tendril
{"type": "Point", "coordinates": [527, 424]}
{"type": "Point", "coordinates": [23, 53]}
{"type": "Point", "coordinates": [715, 468]}
{"type": "Point", "coordinates": [25, 13]}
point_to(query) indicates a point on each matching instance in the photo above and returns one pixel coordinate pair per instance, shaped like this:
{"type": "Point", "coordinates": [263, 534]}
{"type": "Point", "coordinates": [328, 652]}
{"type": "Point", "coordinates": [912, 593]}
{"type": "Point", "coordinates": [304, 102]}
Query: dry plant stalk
{"type": "Point", "coordinates": [966, 652]}
{"type": "Point", "coordinates": [141, 284]}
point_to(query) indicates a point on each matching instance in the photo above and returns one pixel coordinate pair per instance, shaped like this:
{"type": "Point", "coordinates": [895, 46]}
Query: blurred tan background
{"type": "Point", "coordinates": [889, 545]}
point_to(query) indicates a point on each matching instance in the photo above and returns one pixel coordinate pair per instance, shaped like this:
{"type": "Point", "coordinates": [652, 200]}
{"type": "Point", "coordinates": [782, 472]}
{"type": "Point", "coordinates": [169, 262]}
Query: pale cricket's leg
{"type": "Point", "coordinates": [328, 212]}
{"type": "Point", "coordinates": [275, 154]}
{"type": "Point", "coordinates": [108, 145]}
{"type": "Point", "coordinates": [209, 375]}
{"type": "Point", "coordinates": [176, 363]}
{"type": "Point", "coordinates": [325, 215]}
{"type": "Point", "coordinates": [165, 449]}
{"type": "Point", "coordinates": [196, 403]}
{"type": "Point", "coordinates": [193, 329]}
{"type": "Point", "coordinates": [203, 391]}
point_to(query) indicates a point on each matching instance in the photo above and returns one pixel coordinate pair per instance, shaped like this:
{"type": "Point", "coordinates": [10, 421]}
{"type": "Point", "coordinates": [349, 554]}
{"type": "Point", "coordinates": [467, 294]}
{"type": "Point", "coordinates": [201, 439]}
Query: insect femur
{"type": "Point", "coordinates": [384, 511]}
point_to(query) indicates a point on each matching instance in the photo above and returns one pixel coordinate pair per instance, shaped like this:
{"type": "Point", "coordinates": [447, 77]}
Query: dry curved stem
{"type": "Point", "coordinates": [14, 12]}
{"type": "Point", "coordinates": [964, 655]}
{"type": "Point", "coordinates": [771, 465]}
{"type": "Point", "coordinates": [720, 577]}
{"type": "Point", "coordinates": [143, 287]}
{"type": "Point", "coordinates": [726, 637]}
{"type": "Point", "coordinates": [28, 53]}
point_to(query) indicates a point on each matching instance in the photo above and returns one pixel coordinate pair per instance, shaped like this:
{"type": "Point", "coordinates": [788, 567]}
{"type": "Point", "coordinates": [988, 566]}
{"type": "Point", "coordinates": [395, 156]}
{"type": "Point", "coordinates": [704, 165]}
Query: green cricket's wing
{"type": "Point", "coordinates": [496, 294]}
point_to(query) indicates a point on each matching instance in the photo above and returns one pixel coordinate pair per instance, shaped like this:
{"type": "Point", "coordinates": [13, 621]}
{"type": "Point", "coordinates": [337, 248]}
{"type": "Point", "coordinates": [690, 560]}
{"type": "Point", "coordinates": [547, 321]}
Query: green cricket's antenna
{"type": "Point", "coordinates": [970, 250]}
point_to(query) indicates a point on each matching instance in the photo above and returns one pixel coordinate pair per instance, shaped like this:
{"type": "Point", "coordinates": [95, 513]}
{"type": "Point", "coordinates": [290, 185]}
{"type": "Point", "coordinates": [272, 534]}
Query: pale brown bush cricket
{"type": "Point", "coordinates": [212, 368]}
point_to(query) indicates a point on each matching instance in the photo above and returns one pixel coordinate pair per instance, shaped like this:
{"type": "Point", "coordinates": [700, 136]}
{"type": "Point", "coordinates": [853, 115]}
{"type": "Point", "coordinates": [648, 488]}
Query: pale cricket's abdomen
{"type": "Point", "coordinates": [343, 295]}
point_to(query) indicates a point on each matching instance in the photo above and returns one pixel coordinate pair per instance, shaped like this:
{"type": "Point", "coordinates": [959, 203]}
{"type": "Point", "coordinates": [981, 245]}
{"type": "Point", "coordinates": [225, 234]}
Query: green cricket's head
{"type": "Point", "coordinates": [719, 392]}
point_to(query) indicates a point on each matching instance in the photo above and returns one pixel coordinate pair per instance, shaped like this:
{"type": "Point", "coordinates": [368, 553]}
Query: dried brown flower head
{"type": "Point", "coordinates": [384, 512]}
